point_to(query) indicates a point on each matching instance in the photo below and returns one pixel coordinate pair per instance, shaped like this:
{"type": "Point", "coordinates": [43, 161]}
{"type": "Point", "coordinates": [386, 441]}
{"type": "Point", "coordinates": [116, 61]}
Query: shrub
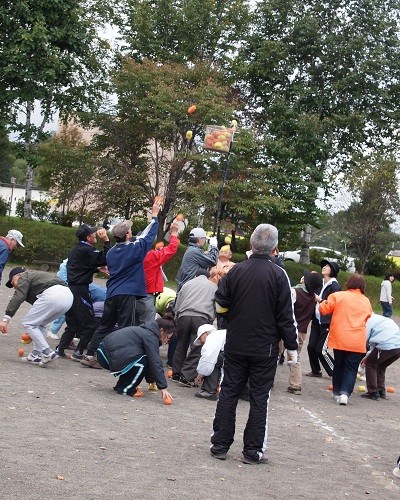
{"type": "Point", "coordinates": [4, 206]}
{"type": "Point", "coordinates": [380, 265]}
{"type": "Point", "coordinates": [44, 241]}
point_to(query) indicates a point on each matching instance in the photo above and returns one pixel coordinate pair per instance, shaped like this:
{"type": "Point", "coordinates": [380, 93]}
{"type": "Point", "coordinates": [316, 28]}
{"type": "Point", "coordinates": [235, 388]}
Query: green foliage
{"type": "Point", "coordinates": [380, 265]}
{"type": "Point", "coordinates": [144, 145]}
{"type": "Point", "coordinates": [375, 203]}
{"type": "Point", "coordinates": [4, 206]}
{"type": "Point", "coordinates": [52, 58]}
{"type": "Point", "coordinates": [184, 32]}
{"type": "Point", "coordinates": [67, 167]}
{"type": "Point", "coordinates": [42, 240]}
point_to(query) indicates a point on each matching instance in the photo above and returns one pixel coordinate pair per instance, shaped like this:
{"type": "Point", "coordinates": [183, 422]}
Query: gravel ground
{"type": "Point", "coordinates": [66, 434]}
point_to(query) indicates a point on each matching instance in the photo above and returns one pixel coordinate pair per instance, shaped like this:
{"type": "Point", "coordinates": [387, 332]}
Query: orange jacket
{"type": "Point", "coordinates": [350, 312]}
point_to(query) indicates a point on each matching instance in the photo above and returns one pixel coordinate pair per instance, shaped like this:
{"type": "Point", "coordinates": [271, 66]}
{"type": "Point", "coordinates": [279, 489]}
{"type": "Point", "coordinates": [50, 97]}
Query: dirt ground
{"type": "Point", "coordinates": [66, 434]}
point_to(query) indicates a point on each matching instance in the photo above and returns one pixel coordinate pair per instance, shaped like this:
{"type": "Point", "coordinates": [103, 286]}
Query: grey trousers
{"type": "Point", "coordinates": [51, 304]}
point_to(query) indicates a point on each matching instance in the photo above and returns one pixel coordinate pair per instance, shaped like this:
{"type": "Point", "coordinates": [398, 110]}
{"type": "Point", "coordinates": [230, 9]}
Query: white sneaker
{"type": "Point", "coordinates": [343, 399]}
{"type": "Point", "coordinates": [53, 336]}
{"type": "Point", "coordinates": [363, 378]}
{"type": "Point", "coordinates": [336, 397]}
{"type": "Point", "coordinates": [32, 358]}
{"type": "Point", "coordinates": [48, 358]}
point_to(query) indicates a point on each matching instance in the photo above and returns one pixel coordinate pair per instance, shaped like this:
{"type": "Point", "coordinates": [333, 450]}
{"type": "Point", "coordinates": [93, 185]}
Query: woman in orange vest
{"type": "Point", "coordinates": [347, 334]}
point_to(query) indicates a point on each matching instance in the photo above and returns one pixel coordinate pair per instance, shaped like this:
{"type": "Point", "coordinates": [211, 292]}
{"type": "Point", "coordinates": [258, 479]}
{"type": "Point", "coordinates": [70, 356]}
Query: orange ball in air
{"type": "Point", "coordinates": [192, 109]}
{"type": "Point", "coordinates": [21, 352]}
{"type": "Point", "coordinates": [389, 389]}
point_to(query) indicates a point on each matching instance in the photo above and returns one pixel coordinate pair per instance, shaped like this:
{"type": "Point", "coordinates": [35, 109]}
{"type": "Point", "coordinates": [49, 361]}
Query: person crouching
{"type": "Point", "coordinates": [132, 353]}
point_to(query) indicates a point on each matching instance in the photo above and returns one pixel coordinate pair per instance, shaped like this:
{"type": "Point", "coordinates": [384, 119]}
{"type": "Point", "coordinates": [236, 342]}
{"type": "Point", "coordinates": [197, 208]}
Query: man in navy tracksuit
{"type": "Point", "coordinates": [126, 283]}
{"type": "Point", "coordinates": [134, 352]}
{"type": "Point", "coordinates": [83, 261]}
{"type": "Point", "coordinates": [256, 298]}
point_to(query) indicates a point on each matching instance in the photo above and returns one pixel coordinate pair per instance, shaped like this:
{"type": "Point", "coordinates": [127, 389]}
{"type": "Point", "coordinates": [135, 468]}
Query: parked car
{"type": "Point", "coordinates": [333, 255]}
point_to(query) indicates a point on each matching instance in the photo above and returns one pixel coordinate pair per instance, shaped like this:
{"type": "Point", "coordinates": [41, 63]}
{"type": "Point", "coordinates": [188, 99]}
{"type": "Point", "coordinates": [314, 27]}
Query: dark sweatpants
{"type": "Point", "coordinates": [130, 377]}
{"type": "Point", "coordinates": [375, 368]}
{"type": "Point", "coordinates": [260, 372]}
{"type": "Point", "coordinates": [118, 309]}
{"type": "Point", "coordinates": [186, 332]}
{"type": "Point", "coordinates": [317, 352]}
{"type": "Point", "coordinates": [80, 319]}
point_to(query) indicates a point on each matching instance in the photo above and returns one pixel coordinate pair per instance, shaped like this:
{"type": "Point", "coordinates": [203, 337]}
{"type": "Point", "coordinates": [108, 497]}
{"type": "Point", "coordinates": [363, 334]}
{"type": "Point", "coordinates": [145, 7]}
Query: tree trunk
{"type": "Point", "coordinates": [305, 245]}
{"type": "Point", "coordinates": [29, 167]}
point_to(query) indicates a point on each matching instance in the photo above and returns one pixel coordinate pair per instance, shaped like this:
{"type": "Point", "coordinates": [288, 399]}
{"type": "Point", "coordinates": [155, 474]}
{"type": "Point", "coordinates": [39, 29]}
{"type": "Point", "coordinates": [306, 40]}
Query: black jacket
{"type": "Point", "coordinates": [257, 293]}
{"type": "Point", "coordinates": [331, 288]}
{"type": "Point", "coordinates": [83, 262]}
{"type": "Point", "coordinates": [127, 344]}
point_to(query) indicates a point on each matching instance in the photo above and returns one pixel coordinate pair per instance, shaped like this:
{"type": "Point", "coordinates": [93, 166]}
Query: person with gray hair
{"type": "Point", "coordinates": [264, 239]}
{"type": "Point", "coordinates": [255, 296]}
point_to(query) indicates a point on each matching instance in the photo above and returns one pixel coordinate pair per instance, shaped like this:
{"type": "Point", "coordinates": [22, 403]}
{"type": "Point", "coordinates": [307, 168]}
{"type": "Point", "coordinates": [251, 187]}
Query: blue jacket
{"type": "Point", "coordinates": [4, 254]}
{"type": "Point", "coordinates": [125, 265]}
{"type": "Point", "coordinates": [382, 333]}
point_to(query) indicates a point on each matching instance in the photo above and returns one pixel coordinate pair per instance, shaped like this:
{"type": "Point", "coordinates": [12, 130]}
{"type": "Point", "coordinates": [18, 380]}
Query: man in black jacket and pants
{"type": "Point", "coordinates": [256, 298]}
{"type": "Point", "coordinates": [83, 261]}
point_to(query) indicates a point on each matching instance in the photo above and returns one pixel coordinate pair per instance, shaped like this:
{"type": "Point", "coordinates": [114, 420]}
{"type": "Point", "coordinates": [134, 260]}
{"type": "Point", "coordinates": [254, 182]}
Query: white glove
{"type": "Point", "coordinates": [213, 242]}
{"type": "Point", "coordinates": [291, 357]}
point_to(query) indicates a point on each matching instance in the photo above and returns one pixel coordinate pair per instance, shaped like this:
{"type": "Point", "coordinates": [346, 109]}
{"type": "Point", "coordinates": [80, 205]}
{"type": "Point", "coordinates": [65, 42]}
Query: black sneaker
{"type": "Point", "coordinates": [175, 377]}
{"type": "Point", "coordinates": [382, 394]}
{"type": "Point", "coordinates": [61, 354]}
{"type": "Point", "coordinates": [76, 356]}
{"type": "Point", "coordinates": [249, 461]}
{"type": "Point", "coordinates": [371, 395]}
{"type": "Point", "coordinates": [212, 396]}
{"type": "Point", "coordinates": [186, 383]}
{"type": "Point", "coordinates": [219, 456]}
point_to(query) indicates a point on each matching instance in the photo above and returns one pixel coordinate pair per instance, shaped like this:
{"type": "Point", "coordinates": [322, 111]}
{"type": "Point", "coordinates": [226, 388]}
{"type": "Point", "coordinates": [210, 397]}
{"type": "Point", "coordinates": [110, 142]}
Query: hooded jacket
{"type": "Point", "coordinates": [124, 346]}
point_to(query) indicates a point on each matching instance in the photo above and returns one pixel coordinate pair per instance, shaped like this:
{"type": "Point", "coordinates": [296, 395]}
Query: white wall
{"type": "Point", "coordinates": [7, 191]}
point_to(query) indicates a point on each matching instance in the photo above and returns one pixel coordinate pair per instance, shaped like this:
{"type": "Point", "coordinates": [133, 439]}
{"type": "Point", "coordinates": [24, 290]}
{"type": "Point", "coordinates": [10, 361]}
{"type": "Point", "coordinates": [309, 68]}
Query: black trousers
{"type": "Point", "coordinates": [317, 352]}
{"type": "Point", "coordinates": [118, 309]}
{"type": "Point", "coordinates": [186, 332]}
{"type": "Point", "coordinates": [237, 370]}
{"type": "Point", "coordinates": [211, 382]}
{"type": "Point", "coordinates": [80, 319]}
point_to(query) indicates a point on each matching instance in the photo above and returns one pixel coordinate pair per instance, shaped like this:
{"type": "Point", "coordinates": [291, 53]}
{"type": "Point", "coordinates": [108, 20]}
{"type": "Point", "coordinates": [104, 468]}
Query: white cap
{"type": "Point", "coordinates": [15, 235]}
{"type": "Point", "coordinates": [202, 329]}
{"type": "Point", "coordinates": [198, 232]}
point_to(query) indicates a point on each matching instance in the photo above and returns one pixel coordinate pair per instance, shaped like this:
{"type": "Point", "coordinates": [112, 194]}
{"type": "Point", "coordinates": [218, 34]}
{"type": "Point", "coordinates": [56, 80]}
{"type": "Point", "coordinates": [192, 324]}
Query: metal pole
{"type": "Point", "coordinates": [221, 194]}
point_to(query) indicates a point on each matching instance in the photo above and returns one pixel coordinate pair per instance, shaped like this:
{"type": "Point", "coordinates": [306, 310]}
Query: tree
{"type": "Point", "coordinates": [146, 150]}
{"type": "Point", "coordinates": [67, 168]}
{"type": "Point", "coordinates": [322, 83]}
{"type": "Point", "coordinates": [184, 32]}
{"type": "Point", "coordinates": [375, 203]}
{"type": "Point", "coordinates": [52, 58]}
